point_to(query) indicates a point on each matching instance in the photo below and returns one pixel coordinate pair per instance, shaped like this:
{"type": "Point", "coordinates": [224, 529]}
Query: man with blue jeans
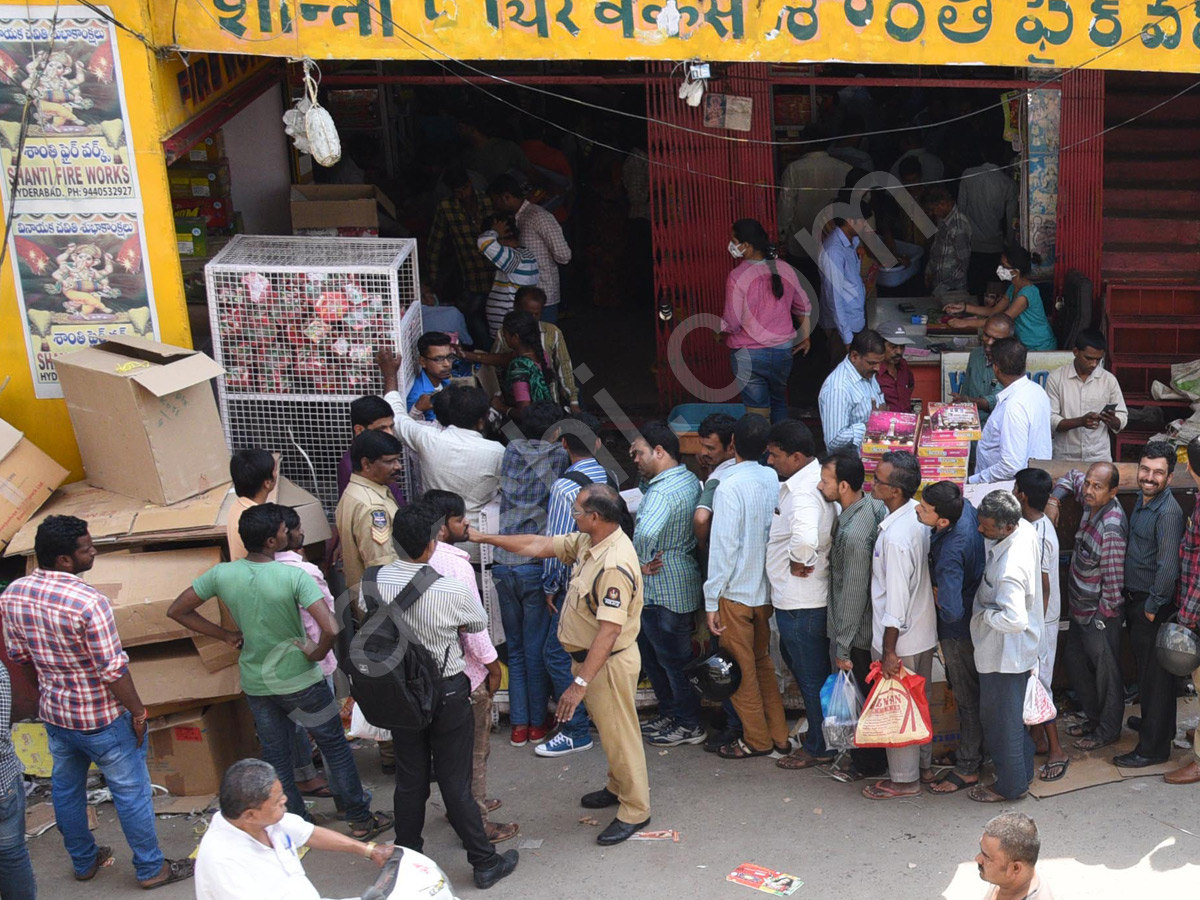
{"type": "Point", "coordinates": [798, 568]}
{"type": "Point", "coordinates": [88, 702]}
{"type": "Point", "coordinates": [672, 585]}
{"type": "Point", "coordinates": [579, 437]}
{"type": "Point", "coordinates": [956, 557]}
{"type": "Point", "coordinates": [16, 872]}
{"type": "Point", "coordinates": [278, 663]}
{"type": "Point", "coordinates": [529, 468]}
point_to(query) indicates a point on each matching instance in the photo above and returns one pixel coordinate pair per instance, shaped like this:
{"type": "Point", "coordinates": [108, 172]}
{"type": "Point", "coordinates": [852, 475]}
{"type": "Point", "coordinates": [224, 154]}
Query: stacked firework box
{"type": "Point", "coordinates": [887, 431]}
{"type": "Point", "coordinates": [945, 447]}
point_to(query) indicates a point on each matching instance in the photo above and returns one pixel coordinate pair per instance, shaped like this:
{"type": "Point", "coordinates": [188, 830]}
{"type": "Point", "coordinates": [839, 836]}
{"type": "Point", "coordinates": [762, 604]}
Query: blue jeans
{"type": "Point", "coordinates": [114, 749]}
{"type": "Point", "coordinates": [665, 642]}
{"type": "Point", "coordinates": [763, 376]}
{"type": "Point", "coordinates": [16, 872]}
{"type": "Point", "coordinates": [1005, 736]}
{"type": "Point", "coordinates": [558, 666]}
{"type": "Point", "coordinates": [802, 635]}
{"type": "Point", "coordinates": [526, 621]}
{"type": "Point", "coordinates": [276, 718]}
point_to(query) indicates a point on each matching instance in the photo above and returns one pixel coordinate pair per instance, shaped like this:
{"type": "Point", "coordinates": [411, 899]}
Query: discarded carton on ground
{"type": "Point", "coordinates": [943, 715]}
{"type": "Point", "coordinates": [188, 752]}
{"type": "Point", "coordinates": [145, 418]}
{"type": "Point", "coordinates": [27, 479]}
{"type": "Point", "coordinates": [326, 208]}
{"type": "Point", "coordinates": [172, 678]}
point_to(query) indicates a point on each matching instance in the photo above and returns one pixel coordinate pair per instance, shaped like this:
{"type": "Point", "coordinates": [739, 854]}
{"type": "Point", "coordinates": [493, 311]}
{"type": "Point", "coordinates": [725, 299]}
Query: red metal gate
{"type": "Point", "coordinates": [693, 205]}
{"type": "Point", "coordinates": [1080, 237]}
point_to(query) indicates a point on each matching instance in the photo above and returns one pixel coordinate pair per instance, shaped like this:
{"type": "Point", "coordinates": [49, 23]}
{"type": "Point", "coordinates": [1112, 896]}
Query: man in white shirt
{"type": "Point", "coordinates": [1086, 403]}
{"type": "Point", "coordinates": [458, 459]}
{"type": "Point", "coordinates": [1006, 628]}
{"type": "Point", "coordinates": [798, 569]}
{"type": "Point", "coordinates": [251, 849]}
{"type": "Point", "coordinates": [904, 618]}
{"type": "Point", "coordinates": [1018, 429]}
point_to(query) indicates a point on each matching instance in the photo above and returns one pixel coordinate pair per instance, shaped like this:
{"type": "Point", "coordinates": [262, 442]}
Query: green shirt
{"type": "Point", "coordinates": [265, 601]}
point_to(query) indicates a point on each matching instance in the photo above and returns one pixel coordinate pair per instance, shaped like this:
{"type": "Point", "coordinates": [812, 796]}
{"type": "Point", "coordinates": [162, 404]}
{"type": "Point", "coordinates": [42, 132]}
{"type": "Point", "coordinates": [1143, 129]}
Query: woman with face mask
{"type": "Point", "coordinates": [764, 303]}
{"type": "Point", "coordinates": [1022, 302]}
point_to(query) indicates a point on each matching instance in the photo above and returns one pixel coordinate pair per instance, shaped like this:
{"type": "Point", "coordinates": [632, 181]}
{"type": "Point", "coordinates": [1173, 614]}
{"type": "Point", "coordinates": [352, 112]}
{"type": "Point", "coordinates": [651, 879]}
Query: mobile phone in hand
{"type": "Point", "coordinates": [1110, 408]}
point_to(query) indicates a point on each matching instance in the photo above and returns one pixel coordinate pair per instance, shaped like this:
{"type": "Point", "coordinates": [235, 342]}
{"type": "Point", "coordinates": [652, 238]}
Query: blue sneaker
{"type": "Point", "coordinates": [561, 745]}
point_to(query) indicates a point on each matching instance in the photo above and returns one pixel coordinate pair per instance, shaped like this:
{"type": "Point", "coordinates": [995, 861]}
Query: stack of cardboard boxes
{"type": "Point", "coordinates": [156, 499]}
{"type": "Point", "coordinates": [201, 197]}
{"type": "Point", "coordinates": [886, 432]}
{"type": "Point", "coordinates": [945, 447]}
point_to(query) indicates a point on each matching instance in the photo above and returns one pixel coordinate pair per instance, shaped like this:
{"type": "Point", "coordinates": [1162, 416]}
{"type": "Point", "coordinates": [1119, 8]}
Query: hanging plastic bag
{"type": "Point", "coordinates": [361, 728]}
{"type": "Point", "coordinates": [896, 713]}
{"type": "Point", "coordinates": [310, 126]}
{"type": "Point", "coordinates": [841, 715]}
{"type": "Point", "coordinates": [1039, 706]}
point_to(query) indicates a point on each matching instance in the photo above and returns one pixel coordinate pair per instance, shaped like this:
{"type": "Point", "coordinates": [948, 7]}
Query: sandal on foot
{"type": "Point", "coordinates": [1053, 771]}
{"type": "Point", "coordinates": [802, 759]}
{"type": "Point", "coordinates": [321, 792]}
{"type": "Point", "coordinates": [173, 870]}
{"type": "Point", "coordinates": [1088, 744]}
{"type": "Point", "coordinates": [739, 749]}
{"type": "Point", "coordinates": [981, 793]}
{"type": "Point", "coordinates": [497, 832]}
{"type": "Point", "coordinates": [492, 805]}
{"type": "Point", "coordinates": [885, 790]}
{"type": "Point", "coordinates": [957, 781]}
{"type": "Point", "coordinates": [1082, 729]}
{"type": "Point", "coordinates": [103, 855]}
{"type": "Point", "coordinates": [367, 829]}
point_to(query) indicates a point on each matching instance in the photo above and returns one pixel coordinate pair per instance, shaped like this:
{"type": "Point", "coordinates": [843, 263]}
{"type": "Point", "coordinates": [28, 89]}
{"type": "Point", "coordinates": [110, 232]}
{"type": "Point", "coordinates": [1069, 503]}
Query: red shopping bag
{"type": "Point", "coordinates": [896, 713]}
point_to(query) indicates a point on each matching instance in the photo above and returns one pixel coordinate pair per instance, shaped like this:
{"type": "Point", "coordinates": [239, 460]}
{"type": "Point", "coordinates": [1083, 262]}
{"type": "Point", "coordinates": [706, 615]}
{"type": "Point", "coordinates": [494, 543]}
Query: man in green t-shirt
{"type": "Point", "coordinates": [280, 676]}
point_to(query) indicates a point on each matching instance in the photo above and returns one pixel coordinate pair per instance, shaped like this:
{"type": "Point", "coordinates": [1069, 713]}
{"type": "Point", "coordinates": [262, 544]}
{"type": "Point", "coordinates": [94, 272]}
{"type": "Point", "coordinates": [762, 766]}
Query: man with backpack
{"type": "Point", "coordinates": [434, 619]}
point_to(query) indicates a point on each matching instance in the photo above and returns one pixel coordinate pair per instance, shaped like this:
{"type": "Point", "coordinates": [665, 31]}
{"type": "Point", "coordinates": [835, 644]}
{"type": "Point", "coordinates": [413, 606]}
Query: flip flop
{"type": "Point", "coordinates": [739, 749]}
{"type": "Point", "coordinates": [1058, 767]}
{"type": "Point", "coordinates": [323, 792]}
{"type": "Point", "coordinates": [1082, 729]}
{"type": "Point", "coordinates": [877, 791]}
{"type": "Point", "coordinates": [1088, 744]}
{"type": "Point", "coordinates": [983, 794]}
{"type": "Point", "coordinates": [953, 778]}
{"type": "Point", "coordinates": [802, 759]}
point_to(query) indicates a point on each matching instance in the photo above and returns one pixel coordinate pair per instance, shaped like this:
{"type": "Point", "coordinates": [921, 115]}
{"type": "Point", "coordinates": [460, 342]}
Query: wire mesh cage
{"type": "Point", "coordinates": [296, 323]}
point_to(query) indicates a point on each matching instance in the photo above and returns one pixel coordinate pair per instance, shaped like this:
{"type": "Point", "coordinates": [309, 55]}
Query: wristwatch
{"type": "Point", "coordinates": [579, 681]}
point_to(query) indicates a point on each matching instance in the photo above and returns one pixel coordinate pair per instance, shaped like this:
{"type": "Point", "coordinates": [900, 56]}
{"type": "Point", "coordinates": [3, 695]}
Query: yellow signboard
{"type": "Point", "coordinates": [1154, 35]}
{"type": "Point", "coordinates": [188, 87]}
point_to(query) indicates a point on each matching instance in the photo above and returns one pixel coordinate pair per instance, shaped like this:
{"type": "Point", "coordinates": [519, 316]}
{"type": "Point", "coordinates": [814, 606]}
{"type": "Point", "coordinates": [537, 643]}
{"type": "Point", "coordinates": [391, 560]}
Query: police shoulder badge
{"type": "Point", "coordinates": [380, 532]}
{"type": "Point", "coordinates": [613, 598]}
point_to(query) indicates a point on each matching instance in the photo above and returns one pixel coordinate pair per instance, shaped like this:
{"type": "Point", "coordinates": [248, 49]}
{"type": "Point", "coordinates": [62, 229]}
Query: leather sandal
{"type": "Point", "coordinates": [103, 855]}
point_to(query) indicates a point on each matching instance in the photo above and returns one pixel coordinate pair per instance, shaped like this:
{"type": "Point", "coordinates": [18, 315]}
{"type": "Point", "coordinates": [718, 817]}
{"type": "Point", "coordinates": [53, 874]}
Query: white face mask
{"type": "Point", "coordinates": [1005, 274]}
{"type": "Point", "coordinates": [735, 250]}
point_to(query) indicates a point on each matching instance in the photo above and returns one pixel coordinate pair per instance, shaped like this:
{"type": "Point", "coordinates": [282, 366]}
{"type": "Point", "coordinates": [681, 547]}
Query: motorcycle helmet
{"type": "Point", "coordinates": [1177, 649]}
{"type": "Point", "coordinates": [409, 875]}
{"type": "Point", "coordinates": [715, 677]}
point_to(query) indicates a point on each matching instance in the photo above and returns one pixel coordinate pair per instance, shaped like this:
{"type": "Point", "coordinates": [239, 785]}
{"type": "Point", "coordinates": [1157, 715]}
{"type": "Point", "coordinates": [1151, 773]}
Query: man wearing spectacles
{"type": "Point", "coordinates": [436, 359]}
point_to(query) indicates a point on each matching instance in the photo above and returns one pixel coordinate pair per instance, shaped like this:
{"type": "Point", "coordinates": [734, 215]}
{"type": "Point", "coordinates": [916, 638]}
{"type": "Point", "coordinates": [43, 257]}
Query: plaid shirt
{"type": "Point", "coordinates": [451, 220]}
{"type": "Point", "coordinates": [664, 525]}
{"type": "Point", "coordinates": [65, 627]}
{"type": "Point", "coordinates": [10, 766]}
{"type": "Point", "coordinates": [950, 254]}
{"type": "Point", "coordinates": [1097, 575]}
{"type": "Point", "coordinates": [527, 472]}
{"type": "Point", "coordinates": [543, 236]}
{"type": "Point", "coordinates": [1189, 573]}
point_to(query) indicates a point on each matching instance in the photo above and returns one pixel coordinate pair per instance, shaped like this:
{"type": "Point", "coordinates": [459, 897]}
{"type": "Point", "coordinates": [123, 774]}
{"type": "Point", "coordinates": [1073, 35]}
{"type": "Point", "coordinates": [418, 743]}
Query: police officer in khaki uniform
{"type": "Point", "coordinates": [601, 618]}
{"type": "Point", "coordinates": [364, 514]}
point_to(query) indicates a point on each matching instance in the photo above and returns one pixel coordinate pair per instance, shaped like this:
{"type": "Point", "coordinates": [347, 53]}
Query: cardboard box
{"type": "Point", "coordinates": [191, 236]}
{"type": "Point", "coordinates": [188, 180]}
{"type": "Point", "coordinates": [142, 587]}
{"type": "Point", "coordinates": [312, 514]}
{"type": "Point", "coordinates": [171, 678]}
{"type": "Point", "coordinates": [209, 150]}
{"type": "Point", "coordinates": [217, 212]}
{"type": "Point", "coordinates": [145, 418]}
{"type": "Point", "coordinates": [943, 714]}
{"type": "Point", "coordinates": [334, 206]}
{"type": "Point", "coordinates": [27, 479]}
{"type": "Point", "coordinates": [188, 752]}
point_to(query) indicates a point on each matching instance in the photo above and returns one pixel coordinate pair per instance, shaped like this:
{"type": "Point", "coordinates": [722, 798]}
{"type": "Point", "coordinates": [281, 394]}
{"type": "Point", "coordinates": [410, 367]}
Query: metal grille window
{"type": "Point", "coordinates": [296, 323]}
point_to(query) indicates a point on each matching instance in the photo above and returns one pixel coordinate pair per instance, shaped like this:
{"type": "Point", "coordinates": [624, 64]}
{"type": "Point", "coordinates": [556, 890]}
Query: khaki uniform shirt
{"type": "Point", "coordinates": [364, 524]}
{"type": "Point", "coordinates": [606, 586]}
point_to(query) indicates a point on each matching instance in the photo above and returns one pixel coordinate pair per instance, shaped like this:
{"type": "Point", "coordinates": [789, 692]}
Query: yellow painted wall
{"type": "Point", "coordinates": [46, 422]}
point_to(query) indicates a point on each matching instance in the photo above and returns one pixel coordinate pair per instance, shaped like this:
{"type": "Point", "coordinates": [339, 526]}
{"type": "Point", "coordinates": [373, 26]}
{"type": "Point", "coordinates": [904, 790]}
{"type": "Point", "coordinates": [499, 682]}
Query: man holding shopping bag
{"type": "Point", "coordinates": [1006, 627]}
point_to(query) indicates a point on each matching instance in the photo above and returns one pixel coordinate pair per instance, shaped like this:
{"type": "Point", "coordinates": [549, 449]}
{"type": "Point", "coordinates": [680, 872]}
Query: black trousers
{"type": "Point", "coordinates": [1094, 666]}
{"type": "Point", "coordinates": [981, 270]}
{"type": "Point", "coordinates": [449, 741]}
{"type": "Point", "coordinates": [870, 761]}
{"type": "Point", "coordinates": [1155, 684]}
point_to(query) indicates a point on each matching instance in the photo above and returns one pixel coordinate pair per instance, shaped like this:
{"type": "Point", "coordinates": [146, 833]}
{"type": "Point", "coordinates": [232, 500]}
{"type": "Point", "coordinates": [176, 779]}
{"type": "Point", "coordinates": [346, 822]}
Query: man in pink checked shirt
{"type": "Point", "coordinates": [482, 665]}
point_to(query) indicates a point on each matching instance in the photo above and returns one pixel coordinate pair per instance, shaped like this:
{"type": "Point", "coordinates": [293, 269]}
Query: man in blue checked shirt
{"type": "Point", "coordinates": [851, 392]}
{"type": "Point", "coordinates": [579, 437]}
{"type": "Point", "coordinates": [672, 585]}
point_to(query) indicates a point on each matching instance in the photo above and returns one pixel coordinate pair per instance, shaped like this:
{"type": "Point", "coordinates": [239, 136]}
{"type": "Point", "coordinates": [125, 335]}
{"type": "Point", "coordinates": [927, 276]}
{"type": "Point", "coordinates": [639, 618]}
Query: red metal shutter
{"type": "Point", "coordinates": [1081, 178]}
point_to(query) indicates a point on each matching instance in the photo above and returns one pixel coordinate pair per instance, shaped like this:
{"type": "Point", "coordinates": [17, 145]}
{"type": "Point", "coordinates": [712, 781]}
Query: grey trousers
{"type": "Point", "coordinates": [959, 656]}
{"type": "Point", "coordinates": [905, 763]}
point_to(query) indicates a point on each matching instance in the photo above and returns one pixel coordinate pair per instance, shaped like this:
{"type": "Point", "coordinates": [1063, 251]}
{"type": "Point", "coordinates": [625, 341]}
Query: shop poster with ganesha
{"type": "Point", "coordinates": [77, 242]}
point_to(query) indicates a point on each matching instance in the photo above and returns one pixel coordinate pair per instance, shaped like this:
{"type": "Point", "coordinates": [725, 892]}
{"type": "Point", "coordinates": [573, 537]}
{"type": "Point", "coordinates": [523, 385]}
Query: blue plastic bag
{"type": "Point", "coordinates": [841, 711]}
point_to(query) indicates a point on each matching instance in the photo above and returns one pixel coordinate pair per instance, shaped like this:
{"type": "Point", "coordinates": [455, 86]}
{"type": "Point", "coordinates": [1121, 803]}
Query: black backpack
{"type": "Point", "coordinates": [393, 678]}
{"type": "Point", "coordinates": [583, 481]}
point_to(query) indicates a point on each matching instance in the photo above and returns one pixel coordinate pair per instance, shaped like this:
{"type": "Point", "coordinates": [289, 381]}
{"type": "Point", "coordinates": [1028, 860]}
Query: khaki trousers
{"type": "Point", "coordinates": [611, 697]}
{"type": "Point", "coordinates": [757, 701]}
{"type": "Point", "coordinates": [481, 706]}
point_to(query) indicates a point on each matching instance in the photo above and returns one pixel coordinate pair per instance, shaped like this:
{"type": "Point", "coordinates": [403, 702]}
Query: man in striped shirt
{"type": "Point", "coordinates": [851, 392]}
{"type": "Point", "coordinates": [672, 585]}
{"type": "Point", "coordinates": [540, 232]}
{"type": "Point", "coordinates": [444, 610]}
{"type": "Point", "coordinates": [1095, 596]}
{"type": "Point", "coordinates": [516, 267]}
{"type": "Point", "coordinates": [737, 596]}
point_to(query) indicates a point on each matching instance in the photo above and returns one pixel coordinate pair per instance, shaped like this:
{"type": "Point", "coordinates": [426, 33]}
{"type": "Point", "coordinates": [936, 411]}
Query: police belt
{"type": "Point", "coordinates": [581, 655]}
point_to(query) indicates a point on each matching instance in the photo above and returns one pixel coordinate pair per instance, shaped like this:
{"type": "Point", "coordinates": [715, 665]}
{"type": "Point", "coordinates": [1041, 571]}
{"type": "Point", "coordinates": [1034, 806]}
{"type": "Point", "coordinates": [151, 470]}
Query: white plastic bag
{"type": "Point", "coordinates": [1039, 707]}
{"type": "Point", "coordinates": [361, 728]}
{"type": "Point", "coordinates": [841, 721]}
